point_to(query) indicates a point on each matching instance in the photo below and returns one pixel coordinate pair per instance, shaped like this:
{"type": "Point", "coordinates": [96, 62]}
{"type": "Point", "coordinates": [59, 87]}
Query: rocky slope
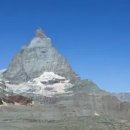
{"type": "Point", "coordinates": [37, 57]}
{"type": "Point", "coordinates": [123, 96]}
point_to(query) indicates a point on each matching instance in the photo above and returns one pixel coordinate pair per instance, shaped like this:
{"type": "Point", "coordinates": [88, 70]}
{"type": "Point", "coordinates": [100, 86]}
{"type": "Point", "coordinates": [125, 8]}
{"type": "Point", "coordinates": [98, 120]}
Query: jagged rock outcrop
{"type": "Point", "coordinates": [1, 103]}
{"type": "Point", "coordinates": [37, 57]}
{"type": "Point", "coordinates": [3, 88]}
{"type": "Point", "coordinates": [15, 99]}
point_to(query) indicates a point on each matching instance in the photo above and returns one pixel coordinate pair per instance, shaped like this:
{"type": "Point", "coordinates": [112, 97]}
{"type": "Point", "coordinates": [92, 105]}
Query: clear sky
{"type": "Point", "coordinates": [94, 35]}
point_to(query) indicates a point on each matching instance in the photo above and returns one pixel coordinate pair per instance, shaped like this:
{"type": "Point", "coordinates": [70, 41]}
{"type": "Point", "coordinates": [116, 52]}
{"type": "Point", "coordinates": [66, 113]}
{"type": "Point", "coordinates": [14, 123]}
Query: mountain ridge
{"type": "Point", "coordinates": [35, 58]}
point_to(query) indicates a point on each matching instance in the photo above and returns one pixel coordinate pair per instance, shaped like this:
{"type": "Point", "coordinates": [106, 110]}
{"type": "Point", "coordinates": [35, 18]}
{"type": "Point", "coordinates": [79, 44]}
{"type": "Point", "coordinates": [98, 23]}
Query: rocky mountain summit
{"type": "Point", "coordinates": [37, 57]}
{"type": "Point", "coordinates": [43, 91]}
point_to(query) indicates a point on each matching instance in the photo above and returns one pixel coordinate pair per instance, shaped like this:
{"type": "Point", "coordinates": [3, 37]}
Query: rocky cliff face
{"type": "Point", "coordinates": [37, 57]}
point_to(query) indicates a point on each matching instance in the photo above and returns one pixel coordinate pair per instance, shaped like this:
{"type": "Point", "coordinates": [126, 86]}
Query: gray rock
{"type": "Point", "coordinates": [123, 96]}
{"type": "Point", "coordinates": [87, 86]}
{"type": "Point", "coordinates": [37, 57]}
{"type": "Point", "coordinates": [3, 87]}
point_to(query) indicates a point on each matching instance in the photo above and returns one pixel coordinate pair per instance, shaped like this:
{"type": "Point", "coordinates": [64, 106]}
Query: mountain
{"type": "Point", "coordinates": [123, 96]}
{"type": "Point", "coordinates": [37, 57]}
{"type": "Point", "coordinates": [3, 70]}
{"type": "Point", "coordinates": [39, 69]}
{"type": "Point", "coordinates": [39, 90]}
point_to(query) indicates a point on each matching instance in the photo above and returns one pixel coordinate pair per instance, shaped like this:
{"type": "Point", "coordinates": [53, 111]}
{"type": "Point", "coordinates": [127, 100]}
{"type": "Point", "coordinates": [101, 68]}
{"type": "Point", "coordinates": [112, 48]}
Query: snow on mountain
{"type": "Point", "coordinates": [1, 73]}
{"type": "Point", "coordinates": [3, 70]}
{"type": "Point", "coordinates": [49, 76]}
{"type": "Point", "coordinates": [37, 57]}
{"type": "Point", "coordinates": [48, 84]}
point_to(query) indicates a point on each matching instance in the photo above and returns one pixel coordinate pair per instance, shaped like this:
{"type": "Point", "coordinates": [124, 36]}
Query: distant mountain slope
{"type": "Point", "coordinates": [87, 86]}
{"type": "Point", "coordinates": [123, 96]}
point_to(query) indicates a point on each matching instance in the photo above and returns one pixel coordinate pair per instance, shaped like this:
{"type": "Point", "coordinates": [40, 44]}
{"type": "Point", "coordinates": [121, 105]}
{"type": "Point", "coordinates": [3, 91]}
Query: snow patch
{"type": "Point", "coordinates": [2, 71]}
{"type": "Point", "coordinates": [4, 103]}
{"type": "Point", "coordinates": [48, 84]}
{"type": "Point", "coordinates": [96, 114]}
{"type": "Point", "coordinates": [48, 76]}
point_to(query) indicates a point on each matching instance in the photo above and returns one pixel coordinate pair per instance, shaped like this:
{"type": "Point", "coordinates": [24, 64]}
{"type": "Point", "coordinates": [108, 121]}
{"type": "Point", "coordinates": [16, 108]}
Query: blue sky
{"type": "Point", "coordinates": [94, 35]}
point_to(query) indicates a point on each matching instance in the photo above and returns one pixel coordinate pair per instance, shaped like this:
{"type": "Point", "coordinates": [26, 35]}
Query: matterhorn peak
{"type": "Point", "coordinates": [37, 57]}
{"type": "Point", "coordinates": [40, 33]}
{"type": "Point", "coordinates": [40, 40]}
